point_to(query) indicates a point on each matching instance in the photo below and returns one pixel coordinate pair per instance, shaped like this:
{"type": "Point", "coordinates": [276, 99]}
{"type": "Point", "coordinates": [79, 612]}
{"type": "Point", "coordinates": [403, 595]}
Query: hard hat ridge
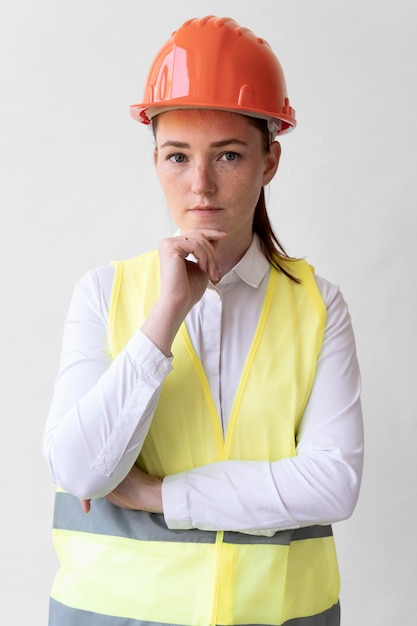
{"type": "Point", "coordinates": [213, 62]}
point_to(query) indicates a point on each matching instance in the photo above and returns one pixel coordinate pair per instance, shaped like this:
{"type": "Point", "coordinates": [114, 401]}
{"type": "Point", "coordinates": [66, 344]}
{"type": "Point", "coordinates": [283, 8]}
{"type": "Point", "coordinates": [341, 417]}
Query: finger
{"type": "Point", "coordinates": [201, 244]}
{"type": "Point", "coordinates": [115, 498]}
{"type": "Point", "coordinates": [85, 505]}
{"type": "Point", "coordinates": [202, 251]}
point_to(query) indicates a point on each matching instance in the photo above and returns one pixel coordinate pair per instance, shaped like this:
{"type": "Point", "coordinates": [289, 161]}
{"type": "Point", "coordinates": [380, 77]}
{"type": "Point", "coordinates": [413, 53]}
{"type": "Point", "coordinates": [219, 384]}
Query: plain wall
{"type": "Point", "coordinates": [78, 190]}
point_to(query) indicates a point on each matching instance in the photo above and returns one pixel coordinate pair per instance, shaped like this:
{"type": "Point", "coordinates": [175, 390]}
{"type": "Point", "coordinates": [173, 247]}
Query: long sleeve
{"type": "Point", "coordinates": [319, 485]}
{"type": "Point", "coordinates": [101, 409]}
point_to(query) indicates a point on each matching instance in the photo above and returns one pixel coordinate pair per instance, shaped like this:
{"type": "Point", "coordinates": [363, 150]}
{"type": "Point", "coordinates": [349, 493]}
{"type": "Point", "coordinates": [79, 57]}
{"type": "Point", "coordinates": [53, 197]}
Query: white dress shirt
{"type": "Point", "coordinates": [102, 409]}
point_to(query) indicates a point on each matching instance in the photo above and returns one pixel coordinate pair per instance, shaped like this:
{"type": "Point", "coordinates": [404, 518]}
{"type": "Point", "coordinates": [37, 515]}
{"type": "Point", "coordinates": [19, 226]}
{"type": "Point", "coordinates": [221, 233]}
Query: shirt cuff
{"type": "Point", "coordinates": [149, 361]}
{"type": "Point", "coordinates": [175, 502]}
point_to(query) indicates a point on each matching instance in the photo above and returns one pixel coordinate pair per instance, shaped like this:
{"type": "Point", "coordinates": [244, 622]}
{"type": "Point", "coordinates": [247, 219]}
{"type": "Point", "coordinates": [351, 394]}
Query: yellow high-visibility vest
{"type": "Point", "coordinates": [128, 564]}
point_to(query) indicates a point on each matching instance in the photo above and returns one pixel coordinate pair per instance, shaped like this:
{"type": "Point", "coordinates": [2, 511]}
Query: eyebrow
{"type": "Point", "coordinates": [215, 144]}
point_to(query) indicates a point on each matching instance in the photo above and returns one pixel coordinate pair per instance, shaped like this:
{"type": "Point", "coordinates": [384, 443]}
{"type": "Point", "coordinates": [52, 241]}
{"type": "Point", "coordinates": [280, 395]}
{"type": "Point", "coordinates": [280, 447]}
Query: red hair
{"type": "Point", "coordinates": [270, 244]}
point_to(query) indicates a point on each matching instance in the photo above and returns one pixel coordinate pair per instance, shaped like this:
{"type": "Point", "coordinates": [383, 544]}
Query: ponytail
{"type": "Point", "coordinates": [270, 244]}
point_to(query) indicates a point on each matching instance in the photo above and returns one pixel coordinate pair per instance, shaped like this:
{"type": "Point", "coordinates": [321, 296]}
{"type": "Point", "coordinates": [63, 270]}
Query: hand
{"type": "Point", "coordinates": [183, 282]}
{"type": "Point", "coordinates": [138, 491]}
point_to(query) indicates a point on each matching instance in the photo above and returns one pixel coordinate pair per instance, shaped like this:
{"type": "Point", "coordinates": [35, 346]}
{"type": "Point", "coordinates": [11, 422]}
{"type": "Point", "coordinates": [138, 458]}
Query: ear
{"type": "Point", "coordinates": [272, 162]}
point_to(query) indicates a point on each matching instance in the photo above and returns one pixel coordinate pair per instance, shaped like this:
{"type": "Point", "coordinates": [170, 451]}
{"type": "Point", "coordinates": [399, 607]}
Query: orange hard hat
{"type": "Point", "coordinates": [213, 63]}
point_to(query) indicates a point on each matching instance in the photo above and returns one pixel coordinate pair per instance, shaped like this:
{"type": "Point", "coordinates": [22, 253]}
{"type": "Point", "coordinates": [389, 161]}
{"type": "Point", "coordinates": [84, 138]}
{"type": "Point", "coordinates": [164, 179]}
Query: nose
{"type": "Point", "coordinates": [202, 182]}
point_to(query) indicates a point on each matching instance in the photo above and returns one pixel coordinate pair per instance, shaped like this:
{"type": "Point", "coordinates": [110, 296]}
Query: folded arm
{"type": "Point", "coordinates": [319, 485]}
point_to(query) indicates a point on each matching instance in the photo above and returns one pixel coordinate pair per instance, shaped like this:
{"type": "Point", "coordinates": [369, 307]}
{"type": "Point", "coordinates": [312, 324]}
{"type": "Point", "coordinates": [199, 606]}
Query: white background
{"type": "Point", "coordinates": [78, 190]}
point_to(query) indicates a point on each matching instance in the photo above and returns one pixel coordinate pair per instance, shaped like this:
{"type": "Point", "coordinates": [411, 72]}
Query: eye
{"type": "Point", "coordinates": [177, 158]}
{"type": "Point", "coordinates": [229, 156]}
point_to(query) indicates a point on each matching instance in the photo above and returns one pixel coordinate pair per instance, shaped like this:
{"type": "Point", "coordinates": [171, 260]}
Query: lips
{"type": "Point", "coordinates": [205, 210]}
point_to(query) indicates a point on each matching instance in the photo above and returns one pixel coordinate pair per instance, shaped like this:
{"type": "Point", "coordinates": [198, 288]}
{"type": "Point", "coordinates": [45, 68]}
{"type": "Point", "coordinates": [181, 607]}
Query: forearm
{"type": "Point", "coordinates": [92, 446]}
{"type": "Point", "coordinates": [250, 496]}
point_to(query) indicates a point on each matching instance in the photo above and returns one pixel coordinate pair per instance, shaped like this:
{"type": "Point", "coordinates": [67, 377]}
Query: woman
{"type": "Point", "coordinates": [207, 409]}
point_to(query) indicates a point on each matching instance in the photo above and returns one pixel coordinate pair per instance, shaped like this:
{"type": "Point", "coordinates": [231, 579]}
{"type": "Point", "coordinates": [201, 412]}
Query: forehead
{"type": "Point", "coordinates": [189, 121]}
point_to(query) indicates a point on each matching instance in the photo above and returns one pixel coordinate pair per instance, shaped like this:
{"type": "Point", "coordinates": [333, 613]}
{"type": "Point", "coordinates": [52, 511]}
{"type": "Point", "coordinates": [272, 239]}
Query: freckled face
{"type": "Point", "coordinates": [211, 166]}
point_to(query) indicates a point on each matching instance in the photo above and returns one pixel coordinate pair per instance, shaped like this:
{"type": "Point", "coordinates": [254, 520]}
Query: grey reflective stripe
{"type": "Point", "coordinates": [331, 617]}
{"type": "Point", "coordinates": [107, 519]}
{"type": "Point", "coordinates": [281, 538]}
{"type": "Point", "coordinates": [61, 615]}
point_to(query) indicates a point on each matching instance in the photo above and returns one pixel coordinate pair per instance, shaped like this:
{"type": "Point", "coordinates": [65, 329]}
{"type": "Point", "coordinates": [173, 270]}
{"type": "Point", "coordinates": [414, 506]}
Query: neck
{"type": "Point", "coordinates": [230, 252]}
